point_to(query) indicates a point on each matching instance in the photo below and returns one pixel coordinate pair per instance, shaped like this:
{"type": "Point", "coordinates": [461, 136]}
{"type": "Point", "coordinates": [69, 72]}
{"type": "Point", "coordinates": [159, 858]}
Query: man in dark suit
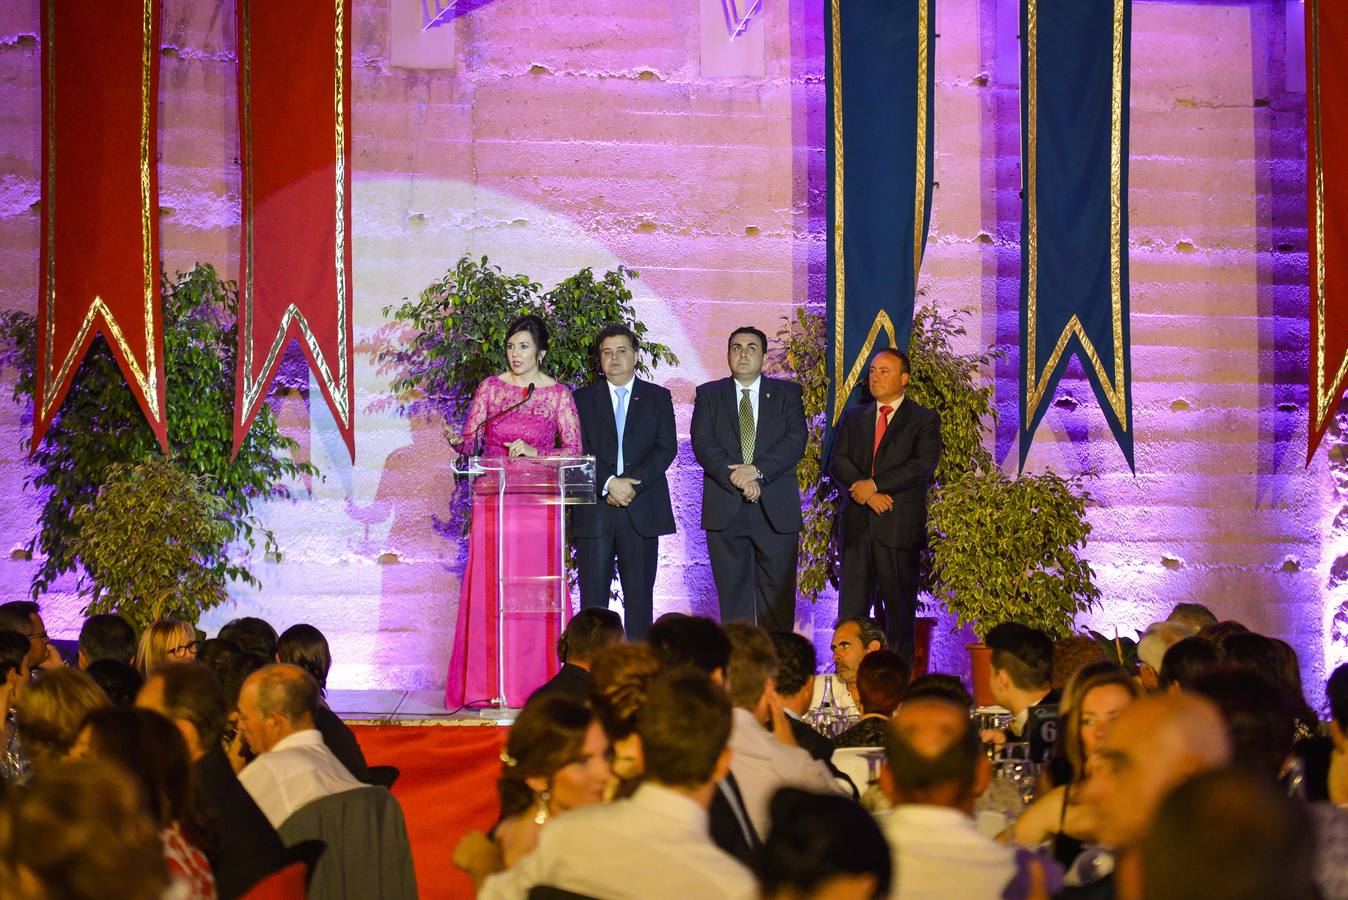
{"type": "Point", "coordinates": [748, 434]}
{"type": "Point", "coordinates": [588, 632]}
{"type": "Point", "coordinates": [627, 425]}
{"type": "Point", "coordinates": [884, 455]}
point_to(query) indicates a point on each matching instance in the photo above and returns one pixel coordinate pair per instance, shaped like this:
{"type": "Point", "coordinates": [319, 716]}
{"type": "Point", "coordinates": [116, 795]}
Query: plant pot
{"type": "Point", "coordinates": [923, 626]}
{"type": "Point", "coordinates": [980, 671]}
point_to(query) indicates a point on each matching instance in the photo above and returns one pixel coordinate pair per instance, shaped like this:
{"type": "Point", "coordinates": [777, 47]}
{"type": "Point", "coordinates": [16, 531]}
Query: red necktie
{"type": "Point", "coordinates": [881, 422]}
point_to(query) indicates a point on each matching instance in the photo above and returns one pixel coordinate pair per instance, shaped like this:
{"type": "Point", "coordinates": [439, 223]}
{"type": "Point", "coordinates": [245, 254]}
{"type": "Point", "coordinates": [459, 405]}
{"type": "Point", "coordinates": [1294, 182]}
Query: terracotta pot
{"type": "Point", "coordinates": [922, 629]}
{"type": "Point", "coordinates": [980, 669]}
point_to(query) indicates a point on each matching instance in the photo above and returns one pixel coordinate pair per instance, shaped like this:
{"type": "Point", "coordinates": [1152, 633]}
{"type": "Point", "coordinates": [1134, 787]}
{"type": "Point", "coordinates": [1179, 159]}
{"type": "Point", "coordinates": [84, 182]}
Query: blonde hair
{"type": "Point", "coordinates": [51, 711]}
{"type": "Point", "coordinates": [159, 639]}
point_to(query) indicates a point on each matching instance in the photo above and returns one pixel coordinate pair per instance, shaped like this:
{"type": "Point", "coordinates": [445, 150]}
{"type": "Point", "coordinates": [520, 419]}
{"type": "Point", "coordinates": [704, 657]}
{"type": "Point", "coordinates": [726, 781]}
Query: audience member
{"type": "Point", "coordinates": [679, 640]}
{"type": "Point", "coordinates": [821, 846]}
{"type": "Point", "coordinates": [881, 677]}
{"type": "Point", "coordinates": [1229, 833]}
{"type": "Point", "coordinates": [852, 640]}
{"type": "Point", "coordinates": [23, 616]}
{"type": "Point", "coordinates": [1336, 695]}
{"type": "Point", "coordinates": [937, 684]}
{"type": "Point", "coordinates": [1094, 699]}
{"type": "Point", "coordinates": [305, 646]}
{"type": "Point", "coordinates": [166, 639]}
{"type": "Point", "coordinates": [1157, 743]}
{"type": "Point", "coordinates": [555, 760]}
{"type": "Point", "coordinates": [251, 635]}
{"type": "Point", "coordinates": [14, 767]}
{"type": "Point", "coordinates": [217, 654]}
{"type": "Point", "coordinates": [244, 847]}
{"type": "Point", "coordinates": [766, 757]}
{"type": "Point", "coordinates": [934, 770]}
{"type": "Point", "coordinates": [106, 636]}
{"type": "Point", "coordinates": [1073, 653]}
{"type": "Point", "coordinates": [1156, 640]}
{"type": "Point", "coordinates": [653, 846]}
{"type": "Point", "coordinates": [794, 685]}
{"type": "Point", "coordinates": [51, 710]}
{"type": "Point", "coordinates": [1195, 615]}
{"type": "Point", "coordinates": [149, 747]}
{"type": "Point", "coordinates": [292, 765]}
{"type": "Point", "coordinates": [118, 680]}
{"type": "Point", "coordinates": [80, 832]}
{"type": "Point", "coordinates": [1186, 660]}
{"type": "Point", "coordinates": [1218, 632]}
{"type": "Point", "coordinates": [621, 674]}
{"type": "Point", "coordinates": [1021, 676]}
{"type": "Point", "coordinates": [588, 632]}
{"type": "Point", "coordinates": [234, 668]}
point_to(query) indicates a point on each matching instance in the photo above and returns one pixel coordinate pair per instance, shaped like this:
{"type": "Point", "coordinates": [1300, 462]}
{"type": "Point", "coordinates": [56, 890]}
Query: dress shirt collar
{"type": "Point", "coordinates": [309, 737]}
{"type": "Point", "coordinates": [670, 804]}
{"type": "Point", "coordinates": [930, 818]}
{"type": "Point", "coordinates": [752, 388]}
{"type": "Point", "coordinates": [893, 407]}
{"type": "Point", "coordinates": [613, 389]}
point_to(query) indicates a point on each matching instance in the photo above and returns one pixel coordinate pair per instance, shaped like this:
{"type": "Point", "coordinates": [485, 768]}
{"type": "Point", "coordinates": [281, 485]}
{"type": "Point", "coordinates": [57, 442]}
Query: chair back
{"type": "Point", "coordinates": [290, 883]}
{"type": "Point", "coordinates": [368, 852]}
{"type": "Point", "coordinates": [853, 762]}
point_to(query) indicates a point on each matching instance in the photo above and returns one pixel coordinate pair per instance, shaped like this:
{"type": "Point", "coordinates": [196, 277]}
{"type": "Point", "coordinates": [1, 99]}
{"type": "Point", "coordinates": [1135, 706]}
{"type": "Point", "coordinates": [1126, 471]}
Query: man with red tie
{"type": "Point", "coordinates": [884, 455]}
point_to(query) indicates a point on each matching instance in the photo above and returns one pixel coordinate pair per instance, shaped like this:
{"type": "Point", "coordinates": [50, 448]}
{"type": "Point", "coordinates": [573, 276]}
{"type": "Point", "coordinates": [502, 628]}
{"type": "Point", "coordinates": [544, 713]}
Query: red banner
{"type": "Point", "coordinates": [295, 257]}
{"type": "Point", "coordinates": [1327, 174]}
{"type": "Point", "coordinates": [100, 200]}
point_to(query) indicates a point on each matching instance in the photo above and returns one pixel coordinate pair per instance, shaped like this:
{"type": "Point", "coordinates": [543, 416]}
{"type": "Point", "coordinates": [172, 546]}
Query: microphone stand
{"type": "Point", "coordinates": [480, 433]}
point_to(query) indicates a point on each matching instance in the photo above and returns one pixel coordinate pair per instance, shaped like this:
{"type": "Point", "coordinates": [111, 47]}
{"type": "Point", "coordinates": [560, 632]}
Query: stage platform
{"type": "Point", "coordinates": [407, 708]}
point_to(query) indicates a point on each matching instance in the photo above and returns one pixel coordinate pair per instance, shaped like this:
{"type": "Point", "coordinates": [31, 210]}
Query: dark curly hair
{"type": "Point", "coordinates": [547, 736]}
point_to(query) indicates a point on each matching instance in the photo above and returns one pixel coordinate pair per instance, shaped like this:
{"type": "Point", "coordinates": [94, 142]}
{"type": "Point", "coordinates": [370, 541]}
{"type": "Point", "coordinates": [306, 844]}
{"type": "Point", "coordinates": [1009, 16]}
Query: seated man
{"type": "Point", "coordinates": [245, 847]}
{"type": "Point", "coordinates": [277, 709]}
{"type": "Point", "coordinates": [852, 640]}
{"type": "Point", "coordinates": [934, 771]}
{"type": "Point", "coordinates": [764, 760]}
{"type": "Point", "coordinates": [655, 844]}
{"type": "Point", "coordinates": [106, 636]}
{"type": "Point", "coordinates": [1156, 640]}
{"type": "Point", "coordinates": [1021, 680]}
{"type": "Point", "coordinates": [1195, 615]}
{"type": "Point", "coordinates": [588, 632]}
{"type": "Point", "coordinates": [881, 679]}
{"type": "Point", "coordinates": [794, 687]}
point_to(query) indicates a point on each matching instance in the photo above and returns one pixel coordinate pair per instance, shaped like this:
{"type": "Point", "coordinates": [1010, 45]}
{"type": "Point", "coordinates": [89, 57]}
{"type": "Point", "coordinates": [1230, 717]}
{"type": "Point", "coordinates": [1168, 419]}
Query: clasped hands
{"type": "Point", "coordinates": [621, 491]}
{"type": "Point", "coordinates": [745, 478]}
{"type": "Point", "coordinates": [866, 493]}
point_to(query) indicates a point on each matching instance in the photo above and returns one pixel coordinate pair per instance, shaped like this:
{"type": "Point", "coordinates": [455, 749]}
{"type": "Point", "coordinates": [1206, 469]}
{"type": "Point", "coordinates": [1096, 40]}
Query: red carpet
{"type": "Point", "coordinates": [447, 788]}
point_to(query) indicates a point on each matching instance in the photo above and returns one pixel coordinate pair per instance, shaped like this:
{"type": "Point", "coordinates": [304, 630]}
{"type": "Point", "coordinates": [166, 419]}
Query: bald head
{"type": "Point", "coordinates": [933, 755]}
{"type": "Point", "coordinates": [276, 701]}
{"type": "Point", "coordinates": [1155, 744]}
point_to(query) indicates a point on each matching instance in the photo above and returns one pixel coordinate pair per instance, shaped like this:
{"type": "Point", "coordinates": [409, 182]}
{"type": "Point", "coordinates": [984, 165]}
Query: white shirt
{"type": "Point", "coordinates": [762, 764]}
{"type": "Point", "coordinates": [613, 399]}
{"type": "Point", "coordinates": [654, 846]}
{"type": "Point", "coordinates": [842, 697]}
{"type": "Point", "coordinates": [753, 398]}
{"type": "Point", "coordinates": [939, 854]}
{"type": "Point", "coordinates": [297, 771]}
{"type": "Point", "coordinates": [893, 408]}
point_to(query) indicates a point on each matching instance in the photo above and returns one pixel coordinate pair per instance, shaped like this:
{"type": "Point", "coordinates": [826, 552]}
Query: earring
{"type": "Point", "coordinates": [541, 815]}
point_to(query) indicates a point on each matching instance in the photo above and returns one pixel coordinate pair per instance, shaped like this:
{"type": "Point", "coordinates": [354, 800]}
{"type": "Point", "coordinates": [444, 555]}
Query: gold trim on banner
{"type": "Point", "coordinates": [1323, 396]}
{"type": "Point", "coordinates": [253, 382]}
{"type": "Point", "coordinates": [144, 378]}
{"type": "Point", "coordinates": [1115, 389]}
{"type": "Point", "coordinates": [843, 389]}
{"type": "Point", "coordinates": [920, 201]}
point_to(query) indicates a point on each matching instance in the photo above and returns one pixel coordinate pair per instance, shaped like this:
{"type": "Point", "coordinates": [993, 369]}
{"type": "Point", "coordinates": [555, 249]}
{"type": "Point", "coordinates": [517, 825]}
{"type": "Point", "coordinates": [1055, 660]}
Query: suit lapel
{"type": "Point", "coordinates": [866, 426]}
{"type": "Point", "coordinates": [603, 410]}
{"type": "Point", "coordinates": [897, 422]}
{"type": "Point", "coordinates": [732, 398]}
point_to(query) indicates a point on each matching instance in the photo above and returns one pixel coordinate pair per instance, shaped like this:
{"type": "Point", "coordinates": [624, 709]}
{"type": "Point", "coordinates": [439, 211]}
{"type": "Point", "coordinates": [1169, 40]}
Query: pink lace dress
{"type": "Point", "coordinates": [532, 543]}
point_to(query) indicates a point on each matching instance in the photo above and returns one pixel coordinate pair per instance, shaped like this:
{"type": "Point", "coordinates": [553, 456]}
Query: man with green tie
{"type": "Point", "coordinates": [748, 435]}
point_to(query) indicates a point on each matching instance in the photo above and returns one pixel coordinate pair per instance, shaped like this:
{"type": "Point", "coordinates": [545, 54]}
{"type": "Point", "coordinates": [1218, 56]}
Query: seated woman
{"type": "Point", "coordinates": [1094, 698]}
{"type": "Point", "coordinates": [305, 646]}
{"type": "Point", "coordinates": [149, 747]}
{"type": "Point", "coordinates": [621, 675]}
{"type": "Point", "coordinates": [166, 639]}
{"type": "Point", "coordinates": [555, 760]}
{"type": "Point", "coordinates": [881, 678]}
{"type": "Point", "coordinates": [51, 710]}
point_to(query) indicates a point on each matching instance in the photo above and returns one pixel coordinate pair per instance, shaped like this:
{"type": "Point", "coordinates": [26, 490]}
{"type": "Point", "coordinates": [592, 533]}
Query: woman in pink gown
{"type": "Point", "coordinates": [544, 424]}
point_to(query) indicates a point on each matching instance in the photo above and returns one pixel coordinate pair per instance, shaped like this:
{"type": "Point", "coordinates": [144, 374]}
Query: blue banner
{"type": "Point", "coordinates": [880, 105]}
{"type": "Point", "coordinates": [1074, 224]}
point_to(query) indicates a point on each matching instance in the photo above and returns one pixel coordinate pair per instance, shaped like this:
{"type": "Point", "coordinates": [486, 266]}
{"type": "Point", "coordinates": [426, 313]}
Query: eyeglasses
{"type": "Point", "coordinates": [183, 650]}
{"type": "Point", "coordinates": [38, 636]}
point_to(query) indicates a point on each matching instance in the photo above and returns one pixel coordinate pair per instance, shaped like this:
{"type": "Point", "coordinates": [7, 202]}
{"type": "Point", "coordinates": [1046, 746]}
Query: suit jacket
{"type": "Point", "coordinates": [779, 443]}
{"type": "Point", "coordinates": [903, 468]}
{"type": "Point", "coordinates": [571, 682]}
{"type": "Point", "coordinates": [649, 447]}
{"type": "Point", "coordinates": [725, 826]}
{"type": "Point", "coordinates": [244, 847]}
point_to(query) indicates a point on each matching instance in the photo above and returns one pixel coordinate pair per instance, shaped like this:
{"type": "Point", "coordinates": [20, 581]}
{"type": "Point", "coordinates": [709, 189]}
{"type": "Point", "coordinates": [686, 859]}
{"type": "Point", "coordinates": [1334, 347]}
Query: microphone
{"type": "Point", "coordinates": [479, 432]}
